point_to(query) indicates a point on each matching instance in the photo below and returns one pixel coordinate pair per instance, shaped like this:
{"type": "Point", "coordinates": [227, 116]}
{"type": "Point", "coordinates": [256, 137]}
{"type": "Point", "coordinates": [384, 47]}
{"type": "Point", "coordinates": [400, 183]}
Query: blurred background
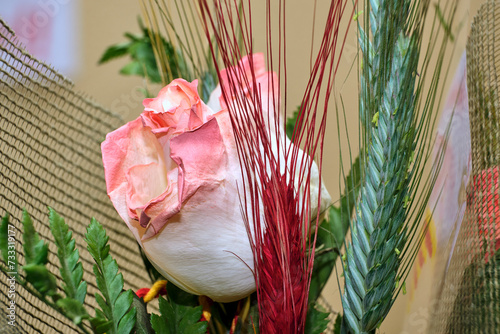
{"type": "Point", "coordinates": [72, 35]}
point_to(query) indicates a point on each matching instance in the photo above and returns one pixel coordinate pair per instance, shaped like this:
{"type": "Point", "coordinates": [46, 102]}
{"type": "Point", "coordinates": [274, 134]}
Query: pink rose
{"type": "Point", "coordinates": [173, 175]}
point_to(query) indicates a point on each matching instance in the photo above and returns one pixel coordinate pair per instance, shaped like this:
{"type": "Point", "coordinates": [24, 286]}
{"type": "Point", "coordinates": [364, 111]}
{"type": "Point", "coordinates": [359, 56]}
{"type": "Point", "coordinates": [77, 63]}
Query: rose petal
{"type": "Point", "coordinates": [145, 183]}
{"type": "Point", "coordinates": [201, 157]}
{"type": "Point", "coordinates": [207, 239]}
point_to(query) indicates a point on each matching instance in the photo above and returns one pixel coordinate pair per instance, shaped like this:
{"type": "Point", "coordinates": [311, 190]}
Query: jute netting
{"type": "Point", "coordinates": [470, 301]}
{"type": "Point", "coordinates": [50, 155]}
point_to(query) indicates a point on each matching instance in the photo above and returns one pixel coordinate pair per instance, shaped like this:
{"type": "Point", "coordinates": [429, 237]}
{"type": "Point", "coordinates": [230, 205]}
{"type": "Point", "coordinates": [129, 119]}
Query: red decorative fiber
{"type": "Point", "coordinates": [276, 204]}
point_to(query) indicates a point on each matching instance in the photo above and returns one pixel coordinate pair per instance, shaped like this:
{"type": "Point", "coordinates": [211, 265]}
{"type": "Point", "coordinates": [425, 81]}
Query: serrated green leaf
{"type": "Point", "coordinates": [106, 309]}
{"type": "Point", "coordinates": [41, 279]}
{"type": "Point", "coordinates": [159, 324]}
{"type": "Point", "coordinates": [316, 321]}
{"type": "Point", "coordinates": [191, 316]}
{"type": "Point", "coordinates": [113, 302]}
{"type": "Point", "coordinates": [100, 325]}
{"type": "Point", "coordinates": [81, 292]}
{"type": "Point", "coordinates": [97, 240]}
{"type": "Point", "coordinates": [121, 304]}
{"type": "Point", "coordinates": [177, 314]}
{"type": "Point", "coordinates": [73, 309]}
{"type": "Point", "coordinates": [127, 323]}
{"type": "Point", "coordinates": [35, 250]}
{"type": "Point", "coordinates": [198, 328]}
{"type": "Point", "coordinates": [71, 268]}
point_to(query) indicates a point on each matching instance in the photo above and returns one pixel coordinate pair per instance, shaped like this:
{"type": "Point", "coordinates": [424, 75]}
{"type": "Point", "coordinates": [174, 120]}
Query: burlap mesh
{"type": "Point", "coordinates": [50, 156]}
{"type": "Point", "coordinates": [470, 301]}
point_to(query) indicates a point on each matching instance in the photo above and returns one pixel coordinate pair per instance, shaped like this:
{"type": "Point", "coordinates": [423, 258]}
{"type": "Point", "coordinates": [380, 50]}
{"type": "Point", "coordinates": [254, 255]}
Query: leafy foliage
{"type": "Point", "coordinates": [73, 309]}
{"type": "Point", "coordinates": [7, 245]}
{"type": "Point", "coordinates": [36, 252]}
{"type": "Point", "coordinates": [35, 249]}
{"type": "Point", "coordinates": [332, 232]}
{"type": "Point", "coordinates": [115, 315]}
{"type": "Point", "coordinates": [316, 321]}
{"type": "Point", "coordinates": [178, 316]}
{"type": "Point", "coordinates": [141, 49]}
{"type": "Point", "coordinates": [337, 327]}
{"type": "Point", "coordinates": [38, 280]}
{"type": "Point", "coordinates": [290, 123]}
{"type": "Point", "coordinates": [71, 268]}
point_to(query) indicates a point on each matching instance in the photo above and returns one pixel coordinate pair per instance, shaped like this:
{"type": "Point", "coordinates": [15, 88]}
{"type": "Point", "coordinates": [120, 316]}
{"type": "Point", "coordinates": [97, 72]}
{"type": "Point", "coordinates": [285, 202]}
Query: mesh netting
{"type": "Point", "coordinates": [470, 302]}
{"type": "Point", "coordinates": [50, 156]}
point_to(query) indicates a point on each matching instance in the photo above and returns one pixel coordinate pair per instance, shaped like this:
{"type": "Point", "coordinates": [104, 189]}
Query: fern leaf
{"type": "Point", "coordinates": [71, 268]}
{"type": "Point", "coordinates": [35, 249]}
{"type": "Point", "coordinates": [177, 317]}
{"type": "Point", "coordinates": [116, 315]}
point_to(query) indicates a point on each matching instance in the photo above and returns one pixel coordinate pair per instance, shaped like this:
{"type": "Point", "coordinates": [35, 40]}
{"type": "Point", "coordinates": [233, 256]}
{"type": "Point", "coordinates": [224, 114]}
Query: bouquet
{"type": "Point", "coordinates": [225, 195]}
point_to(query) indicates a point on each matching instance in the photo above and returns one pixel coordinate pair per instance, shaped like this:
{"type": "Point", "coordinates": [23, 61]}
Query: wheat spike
{"type": "Point", "coordinates": [375, 265]}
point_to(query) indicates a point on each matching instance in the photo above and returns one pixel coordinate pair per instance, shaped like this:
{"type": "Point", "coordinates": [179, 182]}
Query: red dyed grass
{"type": "Point", "coordinates": [276, 204]}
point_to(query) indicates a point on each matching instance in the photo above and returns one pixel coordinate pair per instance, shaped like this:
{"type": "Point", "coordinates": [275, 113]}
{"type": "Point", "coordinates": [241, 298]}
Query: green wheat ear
{"type": "Point", "coordinates": [394, 135]}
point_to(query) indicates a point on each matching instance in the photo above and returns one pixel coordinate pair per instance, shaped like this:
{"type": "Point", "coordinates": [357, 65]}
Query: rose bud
{"type": "Point", "coordinates": [174, 177]}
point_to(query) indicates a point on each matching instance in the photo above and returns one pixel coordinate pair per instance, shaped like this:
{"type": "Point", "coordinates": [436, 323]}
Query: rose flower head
{"type": "Point", "coordinates": [174, 177]}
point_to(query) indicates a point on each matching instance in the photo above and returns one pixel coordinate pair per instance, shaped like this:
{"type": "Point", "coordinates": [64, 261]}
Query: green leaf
{"type": "Point", "coordinates": [97, 241]}
{"type": "Point", "coordinates": [143, 319]}
{"type": "Point", "coordinates": [316, 321]}
{"type": "Point", "coordinates": [176, 316]}
{"type": "Point", "coordinates": [41, 279]}
{"type": "Point", "coordinates": [133, 68]}
{"type": "Point", "coordinates": [332, 232]}
{"type": "Point", "coordinates": [4, 237]}
{"type": "Point", "coordinates": [181, 297]}
{"type": "Point", "coordinates": [144, 62]}
{"type": "Point", "coordinates": [115, 305]}
{"type": "Point", "coordinates": [73, 309]}
{"type": "Point", "coordinates": [35, 250]}
{"type": "Point", "coordinates": [71, 268]}
{"type": "Point", "coordinates": [122, 304]}
{"type": "Point", "coordinates": [114, 51]}
{"type": "Point", "coordinates": [127, 323]}
{"type": "Point", "coordinates": [100, 324]}
{"type": "Point", "coordinates": [7, 244]}
{"type": "Point", "coordinates": [159, 324]}
{"type": "Point", "coordinates": [290, 123]}
{"type": "Point", "coordinates": [338, 324]}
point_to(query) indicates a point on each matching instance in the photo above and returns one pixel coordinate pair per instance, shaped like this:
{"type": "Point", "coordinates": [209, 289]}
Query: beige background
{"type": "Point", "coordinates": [103, 23]}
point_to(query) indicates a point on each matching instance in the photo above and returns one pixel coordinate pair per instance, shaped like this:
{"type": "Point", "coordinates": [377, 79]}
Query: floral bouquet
{"type": "Point", "coordinates": [224, 194]}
